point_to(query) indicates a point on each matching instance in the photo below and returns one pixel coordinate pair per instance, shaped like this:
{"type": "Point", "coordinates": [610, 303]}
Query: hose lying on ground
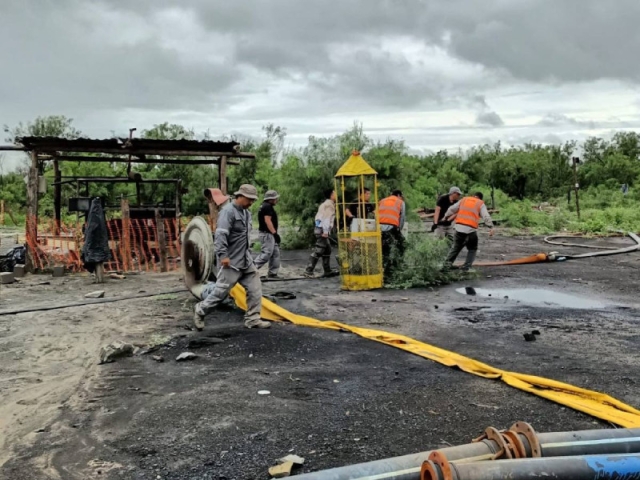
{"type": "Point", "coordinates": [592, 403]}
{"type": "Point", "coordinates": [556, 257]}
{"type": "Point", "coordinates": [551, 239]}
{"type": "Point", "coordinates": [43, 308]}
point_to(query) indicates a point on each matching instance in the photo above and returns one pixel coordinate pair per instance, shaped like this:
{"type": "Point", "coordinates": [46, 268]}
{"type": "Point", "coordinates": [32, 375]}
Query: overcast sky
{"type": "Point", "coordinates": [437, 73]}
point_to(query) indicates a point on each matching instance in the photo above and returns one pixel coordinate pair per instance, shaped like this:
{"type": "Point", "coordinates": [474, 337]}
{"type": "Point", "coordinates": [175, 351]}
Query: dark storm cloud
{"type": "Point", "coordinates": [57, 63]}
{"type": "Point", "coordinates": [246, 63]}
{"type": "Point", "coordinates": [489, 119]}
{"type": "Point", "coordinates": [570, 40]}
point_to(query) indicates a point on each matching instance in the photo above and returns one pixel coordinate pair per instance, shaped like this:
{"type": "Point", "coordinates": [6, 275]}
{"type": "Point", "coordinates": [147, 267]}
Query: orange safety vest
{"type": "Point", "coordinates": [390, 210]}
{"type": "Point", "coordinates": [469, 212]}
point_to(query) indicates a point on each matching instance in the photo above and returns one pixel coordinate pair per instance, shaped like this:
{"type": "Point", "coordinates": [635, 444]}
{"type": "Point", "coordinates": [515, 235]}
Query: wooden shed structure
{"type": "Point", "coordinates": [130, 151]}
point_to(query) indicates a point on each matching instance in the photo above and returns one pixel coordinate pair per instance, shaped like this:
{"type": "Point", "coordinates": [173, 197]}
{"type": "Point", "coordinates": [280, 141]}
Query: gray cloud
{"type": "Point", "coordinates": [490, 119]}
{"type": "Point", "coordinates": [315, 66]}
{"type": "Point", "coordinates": [556, 119]}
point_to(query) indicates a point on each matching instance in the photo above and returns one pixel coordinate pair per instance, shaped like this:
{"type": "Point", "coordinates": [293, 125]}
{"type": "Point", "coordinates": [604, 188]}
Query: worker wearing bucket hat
{"type": "Point", "coordinates": [269, 238]}
{"type": "Point", "coordinates": [233, 254]}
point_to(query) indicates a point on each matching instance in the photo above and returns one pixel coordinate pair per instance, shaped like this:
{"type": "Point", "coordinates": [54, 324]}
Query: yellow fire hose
{"type": "Point", "coordinates": [593, 403]}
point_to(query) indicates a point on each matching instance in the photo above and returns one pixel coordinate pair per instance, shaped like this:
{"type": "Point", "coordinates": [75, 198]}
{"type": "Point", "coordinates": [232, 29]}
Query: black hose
{"type": "Point", "coordinates": [15, 311]}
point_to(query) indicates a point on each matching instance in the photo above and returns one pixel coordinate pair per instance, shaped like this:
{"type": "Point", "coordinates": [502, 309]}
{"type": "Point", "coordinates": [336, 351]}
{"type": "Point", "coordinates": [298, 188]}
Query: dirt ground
{"type": "Point", "coordinates": [334, 399]}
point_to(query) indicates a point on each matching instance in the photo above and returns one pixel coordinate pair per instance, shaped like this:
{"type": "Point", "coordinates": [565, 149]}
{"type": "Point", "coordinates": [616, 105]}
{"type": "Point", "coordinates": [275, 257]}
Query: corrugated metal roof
{"type": "Point", "coordinates": [126, 145]}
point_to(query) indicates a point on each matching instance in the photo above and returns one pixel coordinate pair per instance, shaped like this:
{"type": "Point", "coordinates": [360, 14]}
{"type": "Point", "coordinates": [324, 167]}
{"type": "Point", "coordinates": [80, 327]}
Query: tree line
{"type": "Point", "coordinates": [532, 172]}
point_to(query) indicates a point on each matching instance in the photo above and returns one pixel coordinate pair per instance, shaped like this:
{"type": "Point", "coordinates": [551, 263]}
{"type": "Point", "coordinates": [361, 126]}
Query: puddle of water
{"type": "Point", "coordinates": [534, 296]}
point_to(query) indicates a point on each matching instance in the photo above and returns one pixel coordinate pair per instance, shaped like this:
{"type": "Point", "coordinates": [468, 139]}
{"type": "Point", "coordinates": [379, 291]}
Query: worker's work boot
{"type": "Point", "coordinates": [311, 266]}
{"type": "Point", "coordinates": [471, 256]}
{"type": "Point", "coordinates": [257, 324]}
{"type": "Point", "coordinates": [330, 273]}
{"type": "Point", "coordinates": [198, 321]}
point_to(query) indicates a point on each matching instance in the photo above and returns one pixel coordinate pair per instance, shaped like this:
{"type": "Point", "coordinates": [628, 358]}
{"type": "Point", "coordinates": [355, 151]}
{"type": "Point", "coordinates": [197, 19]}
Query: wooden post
{"type": "Point", "coordinates": [178, 213]}
{"type": "Point", "coordinates": [2, 212]}
{"type": "Point", "coordinates": [576, 185]}
{"type": "Point", "coordinates": [12, 218]}
{"type": "Point", "coordinates": [222, 174]}
{"type": "Point", "coordinates": [57, 197]}
{"type": "Point", "coordinates": [139, 193]}
{"type": "Point", "coordinates": [32, 210]}
{"type": "Point", "coordinates": [162, 241]}
{"type": "Point", "coordinates": [125, 244]}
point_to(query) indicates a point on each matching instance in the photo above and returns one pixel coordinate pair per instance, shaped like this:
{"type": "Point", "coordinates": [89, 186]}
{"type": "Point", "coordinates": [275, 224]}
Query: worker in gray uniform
{"type": "Point", "coordinates": [232, 248]}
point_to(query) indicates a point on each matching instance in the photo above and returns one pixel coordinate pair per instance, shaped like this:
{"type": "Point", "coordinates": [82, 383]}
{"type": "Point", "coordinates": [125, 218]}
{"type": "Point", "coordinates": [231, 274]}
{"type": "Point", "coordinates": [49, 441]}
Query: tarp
{"type": "Point", "coordinates": [593, 403]}
{"type": "Point", "coordinates": [354, 166]}
{"type": "Point", "coordinates": [96, 239]}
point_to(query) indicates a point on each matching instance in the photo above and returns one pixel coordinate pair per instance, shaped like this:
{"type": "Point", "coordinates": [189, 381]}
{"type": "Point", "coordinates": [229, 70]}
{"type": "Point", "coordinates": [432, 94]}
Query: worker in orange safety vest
{"type": "Point", "coordinates": [392, 212]}
{"type": "Point", "coordinates": [467, 213]}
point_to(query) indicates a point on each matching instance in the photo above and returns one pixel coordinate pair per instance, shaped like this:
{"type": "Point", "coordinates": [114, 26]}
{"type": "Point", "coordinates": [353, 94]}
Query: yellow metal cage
{"type": "Point", "coordinates": [359, 238]}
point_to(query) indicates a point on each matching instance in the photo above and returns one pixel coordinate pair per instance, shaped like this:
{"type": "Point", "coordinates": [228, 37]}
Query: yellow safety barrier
{"type": "Point", "coordinates": [593, 403]}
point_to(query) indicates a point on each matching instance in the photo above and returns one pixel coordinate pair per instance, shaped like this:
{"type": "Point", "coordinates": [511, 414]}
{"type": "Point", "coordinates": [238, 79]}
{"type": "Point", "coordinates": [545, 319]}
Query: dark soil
{"type": "Point", "coordinates": [335, 398]}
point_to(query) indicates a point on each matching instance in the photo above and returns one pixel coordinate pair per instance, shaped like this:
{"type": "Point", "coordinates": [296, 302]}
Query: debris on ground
{"type": "Point", "coordinates": [186, 356]}
{"type": "Point", "coordinates": [158, 358]}
{"type": "Point", "coordinates": [282, 470]}
{"type": "Point", "coordinates": [6, 278]}
{"type": "Point", "coordinates": [264, 392]}
{"type": "Point", "coordinates": [292, 458]}
{"type": "Point", "coordinates": [96, 294]}
{"type": "Point", "coordinates": [204, 342]}
{"type": "Point", "coordinates": [57, 271]}
{"type": "Point", "coordinates": [529, 337]}
{"type": "Point", "coordinates": [19, 271]}
{"type": "Point", "coordinates": [117, 276]}
{"type": "Point", "coordinates": [117, 349]}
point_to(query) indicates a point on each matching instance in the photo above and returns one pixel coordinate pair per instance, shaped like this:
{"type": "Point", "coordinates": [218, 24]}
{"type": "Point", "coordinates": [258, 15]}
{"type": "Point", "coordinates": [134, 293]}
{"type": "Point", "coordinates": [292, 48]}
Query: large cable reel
{"type": "Point", "coordinates": [198, 255]}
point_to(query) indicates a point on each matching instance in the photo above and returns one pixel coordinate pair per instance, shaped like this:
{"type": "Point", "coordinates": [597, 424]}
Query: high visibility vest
{"type": "Point", "coordinates": [469, 212]}
{"type": "Point", "coordinates": [390, 210]}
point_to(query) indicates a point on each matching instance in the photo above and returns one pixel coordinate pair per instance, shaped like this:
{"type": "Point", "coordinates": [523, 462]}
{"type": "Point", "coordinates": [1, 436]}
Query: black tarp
{"type": "Point", "coordinates": [96, 238]}
{"type": "Point", "coordinates": [15, 256]}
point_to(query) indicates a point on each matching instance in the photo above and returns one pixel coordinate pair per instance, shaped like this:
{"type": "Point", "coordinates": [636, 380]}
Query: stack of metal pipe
{"type": "Point", "coordinates": [518, 453]}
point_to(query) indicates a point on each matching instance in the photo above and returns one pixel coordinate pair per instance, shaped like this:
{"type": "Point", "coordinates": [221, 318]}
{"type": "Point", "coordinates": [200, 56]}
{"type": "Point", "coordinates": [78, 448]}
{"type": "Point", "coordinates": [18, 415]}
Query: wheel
{"type": "Point", "coordinates": [197, 255]}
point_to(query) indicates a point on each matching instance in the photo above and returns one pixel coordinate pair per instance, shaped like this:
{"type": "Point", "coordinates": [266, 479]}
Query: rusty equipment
{"type": "Point", "coordinates": [515, 445]}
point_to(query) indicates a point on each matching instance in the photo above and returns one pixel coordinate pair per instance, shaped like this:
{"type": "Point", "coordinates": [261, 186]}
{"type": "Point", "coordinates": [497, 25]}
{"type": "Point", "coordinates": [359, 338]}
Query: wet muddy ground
{"type": "Point", "coordinates": [333, 399]}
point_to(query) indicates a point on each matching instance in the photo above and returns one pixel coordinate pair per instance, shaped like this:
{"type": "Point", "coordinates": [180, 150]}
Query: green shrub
{"type": "Point", "coordinates": [295, 239]}
{"type": "Point", "coordinates": [422, 263]}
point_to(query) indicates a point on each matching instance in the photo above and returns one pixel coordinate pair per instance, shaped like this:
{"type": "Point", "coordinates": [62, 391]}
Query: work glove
{"type": "Point", "coordinates": [434, 227]}
{"type": "Point", "coordinates": [277, 238]}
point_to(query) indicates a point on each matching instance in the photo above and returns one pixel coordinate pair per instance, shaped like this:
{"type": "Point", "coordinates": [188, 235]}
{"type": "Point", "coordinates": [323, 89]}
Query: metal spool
{"type": "Point", "coordinates": [198, 255]}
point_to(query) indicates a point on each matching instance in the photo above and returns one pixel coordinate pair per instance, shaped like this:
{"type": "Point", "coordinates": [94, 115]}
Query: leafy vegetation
{"type": "Point", "coordinates": [421, 265]}
{"type": "Point", "coordinates": [519, 179]}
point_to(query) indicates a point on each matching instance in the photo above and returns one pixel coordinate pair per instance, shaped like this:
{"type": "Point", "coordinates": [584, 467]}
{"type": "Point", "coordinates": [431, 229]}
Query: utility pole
{"type": "Point", "coordinates": [576, 186]}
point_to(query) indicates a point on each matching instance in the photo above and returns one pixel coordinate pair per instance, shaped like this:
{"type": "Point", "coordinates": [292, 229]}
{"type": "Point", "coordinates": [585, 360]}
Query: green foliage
{"type": "Point", "coordinates": [520, 177]}
{"type": "Point", "coordinates": [295, 239]}
{"type": "Point", "coordinates": [51, 126]}
{"type": "Point", "coordinates": [421, 265]}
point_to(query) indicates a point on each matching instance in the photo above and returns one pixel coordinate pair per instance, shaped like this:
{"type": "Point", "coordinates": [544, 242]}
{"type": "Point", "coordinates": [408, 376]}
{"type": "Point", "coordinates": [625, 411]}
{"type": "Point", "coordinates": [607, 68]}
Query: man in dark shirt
{"type": "Point", "coordinates": [441, 226]}
{"type": "Point", "coordinates": [355, 210]}
{"type": "Point", "coordinates": [268, 234]}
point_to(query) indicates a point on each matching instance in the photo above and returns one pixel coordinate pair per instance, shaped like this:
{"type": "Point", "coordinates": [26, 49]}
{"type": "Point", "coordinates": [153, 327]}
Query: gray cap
{"type": "Point", "coordinates": [248, 191]}
{"type": "Point", "coordinates": [271, 195]}
{"type": "Point", "coordinates": [453, 190]}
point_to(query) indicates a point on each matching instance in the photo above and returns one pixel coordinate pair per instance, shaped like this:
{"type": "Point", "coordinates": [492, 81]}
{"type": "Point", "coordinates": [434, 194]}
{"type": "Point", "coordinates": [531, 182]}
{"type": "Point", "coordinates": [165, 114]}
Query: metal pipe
{"type": "Point", "coordinates": [590, 467]}
{"type": "Point", "coordinates": [407, 467]}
